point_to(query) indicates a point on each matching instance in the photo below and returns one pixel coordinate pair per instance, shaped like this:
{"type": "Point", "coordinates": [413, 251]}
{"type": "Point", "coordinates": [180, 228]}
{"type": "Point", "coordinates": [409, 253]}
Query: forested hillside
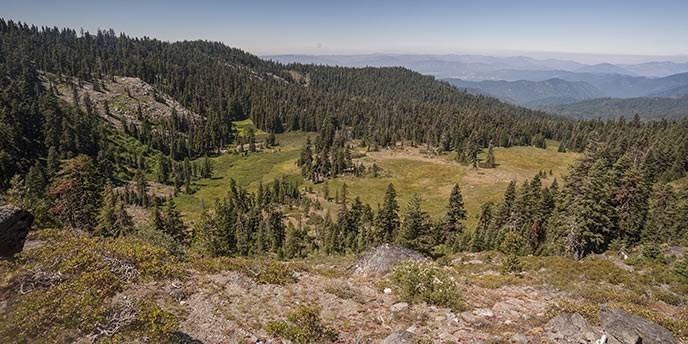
{"type": "Point", "coordinates": [107, 137]}
{"type": "Point", "coordinates": [222, 84]}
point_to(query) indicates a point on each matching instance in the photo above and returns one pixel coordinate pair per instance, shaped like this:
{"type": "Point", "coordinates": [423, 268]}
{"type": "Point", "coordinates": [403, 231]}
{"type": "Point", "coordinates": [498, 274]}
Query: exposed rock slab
{"type": "Point", "coordinates": [628, 328]}
{"type": "Point", "coordinates": [401, 337]}
{"type": "Point", "coordinates": [383, 258]}
{"type": "Point", "coordinates": [618, 327]}
{"type": "Point", "coordinates": [15, 223]}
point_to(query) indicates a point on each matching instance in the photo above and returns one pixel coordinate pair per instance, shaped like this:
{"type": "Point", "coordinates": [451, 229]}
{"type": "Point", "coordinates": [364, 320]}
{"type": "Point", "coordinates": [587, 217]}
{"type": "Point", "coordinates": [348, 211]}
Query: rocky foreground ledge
{"type": "Point", "coordinates": [15, 223]}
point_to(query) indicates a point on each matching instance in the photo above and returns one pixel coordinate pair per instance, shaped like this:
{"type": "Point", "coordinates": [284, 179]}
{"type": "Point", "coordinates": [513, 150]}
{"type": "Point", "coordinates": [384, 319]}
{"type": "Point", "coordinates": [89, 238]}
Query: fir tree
{"type": "Point", "coordinates": [388, 217]}
{"type": "Point", "coordinates": [77, 194]}
{"type": "Point", "coordinates": [415, 233]}
{"type": "Point", "coordinates": [173, 224]}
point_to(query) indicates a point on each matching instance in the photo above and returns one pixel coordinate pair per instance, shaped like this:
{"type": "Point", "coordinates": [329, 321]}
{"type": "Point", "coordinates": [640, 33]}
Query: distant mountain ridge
{"type": "Point", "coordinates": [609, 108]}
{"type": "Point", "coordinates": [652, 89]}
{"type": "Point", "coordinates": [576, 86]}
{"type": "Point", "coordinates": [532, 93]}
{"type": "Point", "coordinates": [482, 67]}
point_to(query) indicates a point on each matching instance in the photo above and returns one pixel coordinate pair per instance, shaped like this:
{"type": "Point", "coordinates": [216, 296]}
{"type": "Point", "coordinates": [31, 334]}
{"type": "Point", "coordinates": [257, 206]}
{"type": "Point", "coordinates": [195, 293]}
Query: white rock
{"type": "Point", "coordinates": [387, 291]}
{"type": "Point", "coordinates": [398, 307]}
{"type": "Point", "coordinates": [483, 312]}
{"type": "Point", "coordinates": [468, 317]}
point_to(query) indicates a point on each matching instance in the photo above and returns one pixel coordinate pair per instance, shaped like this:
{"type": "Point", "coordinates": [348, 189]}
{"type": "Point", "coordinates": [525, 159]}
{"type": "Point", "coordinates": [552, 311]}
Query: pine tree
{"type": "Point", "coordinates": [662, 215]}
{"type": "Point", "coordinates": [275, 230]}
{"type": "Point", "coordinates": [480, 239]}
{"type": "Point", "coordinates": [77, 194]}
{"type": "Point", "coordinates": [106, 215]}
{"type": "Point", "coordinates": [141, 188]}
{"type": "Point", "coordinates": [53, 164]}
{"type": "Point", "coordinates": [326, 190]}
{"type": "Point", "coordinates": [294, 242]}
{"type": "Point", "coordinates": [164, 169]}
{"type": "Point", "coordinates": [173, 224]}
{"type": "Point", "coordinates": [630, 200]}
{"type": "Point", "coordinates": [455, 210]}
{"type": "Point", "coordinates": [36, 180]}
{"type": "Point", "coordinates": [585, 221]}
{"type": "Point", "coordinates": [388, 217]}
{"type": "Point", "coordinates": [415, 233]}
{"type": "Point", "coordinates": [453, 225]}
{"type": "Point", "coordinates": [113, 219]}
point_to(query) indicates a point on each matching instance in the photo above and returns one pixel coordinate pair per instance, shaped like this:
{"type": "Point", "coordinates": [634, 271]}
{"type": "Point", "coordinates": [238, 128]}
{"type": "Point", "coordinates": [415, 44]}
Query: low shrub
{"type": "Point", "coordinates": [261, 271]}
{"type": "Point", "coordinates": [424, 281]}
{"type": "Point", "coordinates": [303, 325]}
{"type": "Point", "coordinates": [512, 264]}
{"type": "Point", "coordinates": [64, 288]}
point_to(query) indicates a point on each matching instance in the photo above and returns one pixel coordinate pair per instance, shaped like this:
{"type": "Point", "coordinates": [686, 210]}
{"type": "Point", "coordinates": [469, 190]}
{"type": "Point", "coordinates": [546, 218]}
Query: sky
{"type": "Point", "coordinates": [622, 31]}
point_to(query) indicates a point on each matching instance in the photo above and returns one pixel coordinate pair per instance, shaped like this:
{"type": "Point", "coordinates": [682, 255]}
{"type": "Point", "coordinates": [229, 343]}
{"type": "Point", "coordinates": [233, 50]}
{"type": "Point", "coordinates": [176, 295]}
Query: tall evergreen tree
{"type": "Point", "coordinates": [388, 216]}
{"type": "Point", "coordinates": [77, 194]}
{"type": "Point", "coordinates": [415, 231]}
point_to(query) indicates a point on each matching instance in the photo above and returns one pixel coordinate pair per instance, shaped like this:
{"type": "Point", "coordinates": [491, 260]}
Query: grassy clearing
{"type": "Point", "coordinates": [246, 170]}
{"type": "Point", "coordinates": [243, 126]}
{"type": "Point", "coordinates": [412, 172]}
{"type": "Point", "coordinates": [407, 168]}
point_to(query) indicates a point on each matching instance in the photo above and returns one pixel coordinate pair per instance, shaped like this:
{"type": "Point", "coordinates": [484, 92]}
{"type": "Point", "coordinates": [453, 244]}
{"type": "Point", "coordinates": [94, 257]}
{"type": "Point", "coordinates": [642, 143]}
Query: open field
{"type": "Point", "coordinates": [410, 171]}
{"type": "Point", "coordinates": [246, 170]}
{"type": "Point", "coordinates": [408, 168]}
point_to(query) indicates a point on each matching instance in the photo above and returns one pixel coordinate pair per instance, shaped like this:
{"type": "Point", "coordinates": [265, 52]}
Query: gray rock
{"type": "Point", "coordinates": [383, 258]}
{"type": "Point", "coordinates": [519, 338]}
{"type": "Point", "coordinates": [676, 251]}
{"type": "Point", "coordinates": [468, 317]}
{"type": "Point", "coordinates": [15, 223]}
{"type": "Point", "coordinates": [571, 328]}
{"type": "Point", "coordinates": [483, 312]}
{"type": "Point", "coordinates": [628, 328]}
{"type": "Point", "coordinates": [398, 307]}
{"type": "Point", "coordinates": [400, 337]}
{"type": "Point", "coordinates": [618, 327]}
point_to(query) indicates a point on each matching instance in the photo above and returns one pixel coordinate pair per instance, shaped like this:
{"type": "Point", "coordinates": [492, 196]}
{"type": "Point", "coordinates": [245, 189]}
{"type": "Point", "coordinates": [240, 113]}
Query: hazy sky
{"type": "Point", "coordinates": [657, 27]}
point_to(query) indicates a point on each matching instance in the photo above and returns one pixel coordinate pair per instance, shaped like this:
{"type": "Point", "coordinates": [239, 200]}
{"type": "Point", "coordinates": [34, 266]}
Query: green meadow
{"type": "Point", "coordinates": [408, 168]}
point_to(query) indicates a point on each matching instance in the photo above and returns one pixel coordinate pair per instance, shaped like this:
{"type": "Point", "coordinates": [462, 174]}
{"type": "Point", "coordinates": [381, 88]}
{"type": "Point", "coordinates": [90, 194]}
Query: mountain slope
{"type": "Point", "coordinates": [532, 93]}
{"type": "Point", "coordinates": [604, 68]}
{"type": "Point", "coordinates": [221, 84]}
{"type": "Point", "coordinates": [607, 108]}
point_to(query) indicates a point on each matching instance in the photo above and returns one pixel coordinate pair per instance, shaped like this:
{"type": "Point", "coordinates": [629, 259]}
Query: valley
{"type": "Point", "coordinates": [186, 191]}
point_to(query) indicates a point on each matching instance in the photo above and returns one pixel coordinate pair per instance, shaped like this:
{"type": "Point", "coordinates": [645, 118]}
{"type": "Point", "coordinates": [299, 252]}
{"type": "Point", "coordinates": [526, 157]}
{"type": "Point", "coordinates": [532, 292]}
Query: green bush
{"type": "Point", "coordinates": [512, 264]}
{"type": "Point", "coordinates": [422, 281]}
{"type": "Point", "coordinates": [681, 267]}
{"type": "Point", "coordinates": [302, 326]}
{"type": "Point", "coordinates": [64, 288]}
{"type": "Point", "coordinates": [653, 252]}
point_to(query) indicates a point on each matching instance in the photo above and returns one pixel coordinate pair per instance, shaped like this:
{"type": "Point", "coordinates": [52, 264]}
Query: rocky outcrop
{"type": "Point", "coordinates": [617, 327]}
{"type": "Point", "coordinates": [571, 328]}
{"type": "Point", "coordinates": [15, 223]}
{"type": "Point", "coordinates": [401, 337]}
{"type": "Point", "coordinates": [628, 328]}
{"type": "Point", "coordinates": [383, 258]}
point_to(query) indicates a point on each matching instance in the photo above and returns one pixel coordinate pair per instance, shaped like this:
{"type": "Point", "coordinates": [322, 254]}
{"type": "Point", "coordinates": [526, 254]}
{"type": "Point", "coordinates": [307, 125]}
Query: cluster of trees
{"type": "Point", "coordinates": [182, 173]}
{"type": "Point", "coordinates": [182, 137]}
{"type": "Point", "coordinates": [329, 157]}
{"type": "Point", "coordinates": [244, 223]}
{"type": "Point", "coordinates": [379, 105]}
{"type": "Point", "coordinates": [619, 194]}
{"type": "Point", "coordinates": [358, 227]}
